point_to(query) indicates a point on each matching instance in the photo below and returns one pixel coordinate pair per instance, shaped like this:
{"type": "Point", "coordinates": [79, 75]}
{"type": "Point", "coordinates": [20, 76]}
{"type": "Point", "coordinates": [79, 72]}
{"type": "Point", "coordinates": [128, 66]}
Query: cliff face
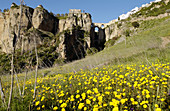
{"type": "Point", "coordinates": [72, 44]}
{"type": "Point", "coordinates": [41, 19]}
{"type": "Point", "coordinates": [10, 24]}
{"type": "Point", "coordinates": [81, 19]}
{"type": "Point", "coordinates": [40, 23]}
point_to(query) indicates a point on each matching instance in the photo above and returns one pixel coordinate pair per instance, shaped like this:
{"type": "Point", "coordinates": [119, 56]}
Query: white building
{"type": "Point", "coordinates": [157, 1]}
{"type": "Point", "coordinates": [136, 9]}
{"type": "Point", "coordinates": [125, 16]}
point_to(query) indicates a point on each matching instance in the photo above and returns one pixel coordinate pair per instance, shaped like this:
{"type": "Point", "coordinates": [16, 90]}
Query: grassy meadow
{"type": "Point", "coordinates": [119, 78]}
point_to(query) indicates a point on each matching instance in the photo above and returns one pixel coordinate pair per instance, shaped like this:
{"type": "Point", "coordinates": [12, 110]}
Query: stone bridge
{"type": "Point", "coordinates": [101, 25]}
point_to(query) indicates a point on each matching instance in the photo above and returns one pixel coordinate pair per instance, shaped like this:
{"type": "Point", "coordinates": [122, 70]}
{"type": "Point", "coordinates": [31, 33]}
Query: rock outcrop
{"type": "Point", "coordinates": [10, 24]}
{"type": "Point", "coordinates": [111, 31]}
{"type": "Point", "coordinates": [42, 19]}
{"type": "Point", "coordinates": [72, 44]}
{"type": "Point", "coordinates": [37, 22]}
{"type": "Point", "coordinates": [73, 19]}
{"type": "Point", "coordinates": [73, 41]}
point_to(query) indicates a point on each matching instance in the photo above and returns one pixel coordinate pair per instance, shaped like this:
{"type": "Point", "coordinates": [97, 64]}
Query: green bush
{"type": "Point", "coordinates": [127, 32]}
{"type": "Point", "coordinates": [5, 63]}
{"type": "Point", "coordinates": [111, 42]}
{"type": "Point", "coordinates": [51, 13]}
{"type": "Point", "coordinates": [58, 15]}
{"type": "Point", "coordinates": [6, 10]}
{"type": "Point", "coordinates": [91, 51]}
{"type": "Point", "coordinates": [66, 14]}
{"type": "Point", "coordinates": [119, 25]}
{"type": "Point", "coordinates": [168, 11]}
{"type": "Point", "coordinates": [135, 24]}
{"type": "Point", "coordinates": [59, 61]}
{"type": "Point", "coordinates": [62, 15]}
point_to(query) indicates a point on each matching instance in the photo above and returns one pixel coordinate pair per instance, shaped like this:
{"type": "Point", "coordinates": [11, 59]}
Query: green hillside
{"type": "Point", "coordinates": [144, 46]}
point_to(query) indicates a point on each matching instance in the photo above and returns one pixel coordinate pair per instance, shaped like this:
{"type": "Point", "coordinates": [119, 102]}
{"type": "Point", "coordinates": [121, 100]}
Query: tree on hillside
{"type": "Point", "coordinates": [66, 14]}
{"type": "Point", "coordinates": [13, 45]}
{"type": "Point", "coordinates": [58, 15]}
{"type": "Point", "coordinates": [36, 70]}
{"type": "Point", "coordinates": [62, 15]}
{"type": "Point", "coordinates": [51, 13]}
{"type": "Point", "coordinates": [6, 10]}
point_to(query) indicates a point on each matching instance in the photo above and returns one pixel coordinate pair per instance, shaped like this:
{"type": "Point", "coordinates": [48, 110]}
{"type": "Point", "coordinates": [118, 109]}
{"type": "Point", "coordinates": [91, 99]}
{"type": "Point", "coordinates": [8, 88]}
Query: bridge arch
{"type": "Point", "coordinates": [100, 25]}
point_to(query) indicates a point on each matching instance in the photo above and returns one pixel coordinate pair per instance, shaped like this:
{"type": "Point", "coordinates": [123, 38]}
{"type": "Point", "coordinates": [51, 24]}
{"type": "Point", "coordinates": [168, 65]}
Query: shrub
{"type": "Point", "coordinates": [66, 14]}
{"type": "Point", "coordinates": [51, 13]}
{"type": "Point", "coordinates": [91, 51]}
{"type": "Point", "coordinates": [58, 15]}
{"type": "Point", "coordinates": [168, 11]}
{"type": "Point", "coordinates": [59, 61]}
{"type": "Point", "coordinates": [86, 34]}
{"type": "Point", "coordinates": [6, 10]}
{"type": "Point", "coordinates": [119, 25]}
{"type": "Point", "coordinates": [111, 42]}
{"type": "Point", "coordinates": [118, 18]}
{"type": "Point", "coordinates": [127, 32]}
{"type": "Point", "coordinates": [62, 15]}
{"type": "Point", "coordinates": [135, 24]}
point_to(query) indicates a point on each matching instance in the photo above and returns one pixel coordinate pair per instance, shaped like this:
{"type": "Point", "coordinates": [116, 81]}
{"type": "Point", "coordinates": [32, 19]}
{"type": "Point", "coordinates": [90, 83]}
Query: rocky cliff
{"type": "Point", "coordinates": [10, 24]}
{"type": "Point", "coordinates": [69, 36]}
{"type": "Point", "coordinates": [73, 19]}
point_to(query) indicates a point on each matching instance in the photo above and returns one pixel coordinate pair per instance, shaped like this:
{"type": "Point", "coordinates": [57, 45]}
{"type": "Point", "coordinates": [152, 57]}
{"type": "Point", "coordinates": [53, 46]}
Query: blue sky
{"type": "Point", "coordinates": [102, 11]}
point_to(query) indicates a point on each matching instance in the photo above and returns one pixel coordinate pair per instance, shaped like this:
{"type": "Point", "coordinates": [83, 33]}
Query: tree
{"type": "Point", "coordinates": [119, 25]}
{"type": "Point", "coordinates": [13, 45]}
{"type": "Point", "coordinates": [51, 13]}
{"type": "Point", "coordinates": [66, 14]}
{"type": "Point", "coordinates": [36, 70]}
{"type": "Point", "coordinates": [62, 15]}
{"type": "Point", "coordinates": [6, 10]}
{"type": "Point", "coordinates": [118, 18]}
{"type": "Point", "coordinates": [58, 15]}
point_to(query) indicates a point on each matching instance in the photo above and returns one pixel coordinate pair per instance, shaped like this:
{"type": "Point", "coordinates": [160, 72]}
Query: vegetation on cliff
{"type": "Point", "coordinates": [154, 9]}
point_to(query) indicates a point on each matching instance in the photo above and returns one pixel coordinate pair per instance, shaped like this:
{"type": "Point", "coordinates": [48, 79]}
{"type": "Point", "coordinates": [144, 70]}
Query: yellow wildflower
{"type": "Point", "coordinates": [55, 108]}
{"type": "Point", "coordinates": [43, 106]}
{"type": "Point", "coordinates": [37, 103]}
{"type": "Point", "coordinates": [38, 108]}
{"type": "Point", "coordinates": [144, 106]}
{"type": "Point", "coordinates": [158, 109]}
{"type": "Point", "coordinates": [88, 101]}
{"type": "Point", "coordinates": [81, 105]}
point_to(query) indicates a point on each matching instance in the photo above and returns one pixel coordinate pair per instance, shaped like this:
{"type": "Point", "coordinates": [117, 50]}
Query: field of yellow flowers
{"type": "Point", "coordinates": [111, 88]}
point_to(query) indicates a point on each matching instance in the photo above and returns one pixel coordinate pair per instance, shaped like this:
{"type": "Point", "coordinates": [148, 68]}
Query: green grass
{"type": "Point", "coordinates": [65, 17]}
